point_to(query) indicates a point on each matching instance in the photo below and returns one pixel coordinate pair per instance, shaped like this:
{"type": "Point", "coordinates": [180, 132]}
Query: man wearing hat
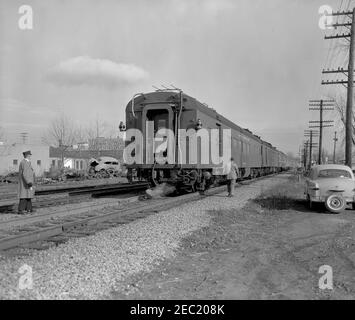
{"type": "Point", "coordinates": [26, 181]}
{"type": "Point", "coordinates": [232, 175]}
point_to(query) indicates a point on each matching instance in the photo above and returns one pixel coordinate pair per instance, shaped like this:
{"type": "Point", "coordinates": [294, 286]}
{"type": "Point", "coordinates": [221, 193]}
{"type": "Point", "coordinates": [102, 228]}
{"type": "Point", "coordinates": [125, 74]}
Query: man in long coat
{"type": "Point", "coordinates": [26, 182]}
{"type": "Point", "coordinates": [232, 175]}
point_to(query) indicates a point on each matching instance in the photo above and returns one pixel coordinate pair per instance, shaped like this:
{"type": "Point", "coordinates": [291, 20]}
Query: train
{"type": "Point", "coordinates": [172, 137]}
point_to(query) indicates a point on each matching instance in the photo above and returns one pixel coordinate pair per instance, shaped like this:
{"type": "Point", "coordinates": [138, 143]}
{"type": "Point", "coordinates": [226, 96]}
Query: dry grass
{"type": "Point", "coordinates": [283, 197]}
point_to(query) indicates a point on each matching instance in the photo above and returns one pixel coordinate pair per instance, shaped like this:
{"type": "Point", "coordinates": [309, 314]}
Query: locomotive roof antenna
{"type": "Point", "coordinates": [158, 89]}
{"type": "Point", "coordinates": [175, 87]}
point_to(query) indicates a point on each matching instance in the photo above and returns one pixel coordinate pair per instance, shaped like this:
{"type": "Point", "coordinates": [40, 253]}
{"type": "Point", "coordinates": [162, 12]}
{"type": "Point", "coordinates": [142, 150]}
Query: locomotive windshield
{"type": "Point", "coordinates": [160, 117]}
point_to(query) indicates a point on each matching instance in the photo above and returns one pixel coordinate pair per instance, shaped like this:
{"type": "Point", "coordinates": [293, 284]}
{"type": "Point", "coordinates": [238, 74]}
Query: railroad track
{"type": "Point", "coordinates": [41, 232]}
{"type": "Point", "coordinates": [6, 194]}
{"type": "Point", "coordinates": [58, 196]}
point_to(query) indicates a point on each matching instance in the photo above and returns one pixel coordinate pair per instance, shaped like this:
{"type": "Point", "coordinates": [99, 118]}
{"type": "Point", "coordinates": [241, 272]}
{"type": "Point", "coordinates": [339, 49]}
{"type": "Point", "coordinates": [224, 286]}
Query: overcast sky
{"type": "Point", "coordinates": [256, 62]}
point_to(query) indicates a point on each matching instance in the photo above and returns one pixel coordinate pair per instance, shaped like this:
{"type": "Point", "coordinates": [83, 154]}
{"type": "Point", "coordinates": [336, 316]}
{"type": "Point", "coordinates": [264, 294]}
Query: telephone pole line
{"type": "Point", "coordinates": [311, 134]}
{"type": "Point", "coordinates": [305, 151]}
{"type": "Point", "coordinates": [335, 145]}
{"type": "Point", "coordinates": [350, 81]}
{"type": "Point", "coordinates": [350, 97]}
{"type": "Point", "coordinates": [321, 105]}
{"type": "Point", "coordinates": [24, 136]}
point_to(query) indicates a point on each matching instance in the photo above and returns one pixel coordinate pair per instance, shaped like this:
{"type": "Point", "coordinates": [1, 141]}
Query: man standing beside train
{"type": "Point", "coordinates": [232, 174]}
{"type": "Point", "coordinates": [26, 182]}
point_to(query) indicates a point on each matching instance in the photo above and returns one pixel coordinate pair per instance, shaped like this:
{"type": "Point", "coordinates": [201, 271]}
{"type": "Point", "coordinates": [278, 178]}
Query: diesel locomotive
{"type": "Point", "coordinates": [171, 137]}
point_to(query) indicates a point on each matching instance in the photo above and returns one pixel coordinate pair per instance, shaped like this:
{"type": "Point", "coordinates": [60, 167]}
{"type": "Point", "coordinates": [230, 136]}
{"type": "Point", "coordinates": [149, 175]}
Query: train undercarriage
{"type": "Point", "coordinates": [192, 179]}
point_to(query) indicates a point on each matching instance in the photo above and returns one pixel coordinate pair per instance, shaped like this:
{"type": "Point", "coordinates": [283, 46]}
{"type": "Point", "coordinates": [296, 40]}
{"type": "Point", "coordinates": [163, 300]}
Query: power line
{"type": "Point", "coordinates": [321, 106]}
{"type": "Point", "coordinates": [349, 36]}
{"type": "Point", "coordinates": [24, 136]}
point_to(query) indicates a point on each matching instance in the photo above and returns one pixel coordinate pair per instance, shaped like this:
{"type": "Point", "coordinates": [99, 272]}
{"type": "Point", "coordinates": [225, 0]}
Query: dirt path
{"type": "Point", "coordinates": [258, 252]}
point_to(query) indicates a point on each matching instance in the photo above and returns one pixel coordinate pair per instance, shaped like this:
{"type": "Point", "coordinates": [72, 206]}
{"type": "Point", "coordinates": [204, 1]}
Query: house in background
{"type": "Point", "coordinates": [11, 156]}
{"type": "Point", "coordinates": [78, 159]}
{"type": "Point", "coordinates": [44, 157]}
{"type": "Point", "coordinates": [73, 159]}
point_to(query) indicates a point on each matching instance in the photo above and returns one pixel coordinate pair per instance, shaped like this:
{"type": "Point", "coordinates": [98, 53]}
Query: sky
{"type": "Point", "coordinates": [256, 62]}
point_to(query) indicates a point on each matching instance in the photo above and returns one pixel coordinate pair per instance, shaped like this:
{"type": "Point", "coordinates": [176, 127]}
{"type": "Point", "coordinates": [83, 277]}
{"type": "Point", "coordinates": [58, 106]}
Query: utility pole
{"type": "Point", "coordinates": [305, 150]}
{"type": "Point", "coordinates": [311, 134]}
{"type": "Point", "coordinates": [350, 97]}
{"type": "Point", "coordinates": [350, 80]}
{"type": "Point", "coordinates": [24, 136]}
{"type": "Point", "coordinates": [321, 105]}
{"type": "Point", "coordinates": [310, 149]}
{"type": "Point", "coordinates": [335, 145]}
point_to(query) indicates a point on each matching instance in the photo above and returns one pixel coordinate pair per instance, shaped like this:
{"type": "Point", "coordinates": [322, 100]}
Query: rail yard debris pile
{"type": "Point", "coordinates": [93, 266]}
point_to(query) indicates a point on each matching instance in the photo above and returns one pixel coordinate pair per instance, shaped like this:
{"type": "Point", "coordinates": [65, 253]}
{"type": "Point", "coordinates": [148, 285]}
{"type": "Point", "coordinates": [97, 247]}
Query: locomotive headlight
{"type": "Point", "coordinates": [198, 124]}
{"type": "Point", "coordinates": [122, 126]}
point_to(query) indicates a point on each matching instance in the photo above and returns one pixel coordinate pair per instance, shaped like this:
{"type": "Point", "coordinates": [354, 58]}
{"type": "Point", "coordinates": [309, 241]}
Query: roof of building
{"type": "Point", "coordinates": [85, 154]}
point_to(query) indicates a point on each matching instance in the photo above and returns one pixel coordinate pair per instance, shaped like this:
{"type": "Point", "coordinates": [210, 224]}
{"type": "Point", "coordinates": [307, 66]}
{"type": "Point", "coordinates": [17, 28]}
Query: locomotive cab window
{"type": "Point", "coordinates": [160, 117]}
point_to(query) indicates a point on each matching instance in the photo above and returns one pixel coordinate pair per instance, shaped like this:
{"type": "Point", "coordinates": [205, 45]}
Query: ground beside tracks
{"type": "Point", "coordinates": [272, 248]}
{"type": "Point", "coordinates": [91, 267]}
{"type": "Point", "coordinates": [262, 244]}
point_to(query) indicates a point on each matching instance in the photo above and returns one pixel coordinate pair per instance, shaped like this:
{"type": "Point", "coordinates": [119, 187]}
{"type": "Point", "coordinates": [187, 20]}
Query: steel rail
{"type": "Point", "coordinates": [46, 229]}
{"type": "Point", "coordinates": [96, 191]}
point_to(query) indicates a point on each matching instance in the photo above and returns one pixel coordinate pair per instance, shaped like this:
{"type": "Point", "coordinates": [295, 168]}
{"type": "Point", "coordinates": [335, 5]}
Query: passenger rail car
{"type": "Point", "coordinates": [178, 112]}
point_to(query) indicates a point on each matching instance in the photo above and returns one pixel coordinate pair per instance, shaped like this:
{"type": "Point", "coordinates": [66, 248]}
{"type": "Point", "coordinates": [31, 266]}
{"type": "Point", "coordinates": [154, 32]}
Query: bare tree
{"type": "Point", "coordinates": [99, 129]}
{"type": "Point", "coordinates": [61, 133]}
{"type": "Point", "coordinates": [340, 107]}
{"type": "Point", "coordinates": [80, 135]}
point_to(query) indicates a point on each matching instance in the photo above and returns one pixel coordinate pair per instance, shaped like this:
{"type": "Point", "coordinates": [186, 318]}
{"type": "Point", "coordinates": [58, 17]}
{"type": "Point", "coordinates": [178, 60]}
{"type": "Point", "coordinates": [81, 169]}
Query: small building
{"type": "Point", "coordinates": [78, 159]}
{"type": "Point", "coordinates": [11, 156]}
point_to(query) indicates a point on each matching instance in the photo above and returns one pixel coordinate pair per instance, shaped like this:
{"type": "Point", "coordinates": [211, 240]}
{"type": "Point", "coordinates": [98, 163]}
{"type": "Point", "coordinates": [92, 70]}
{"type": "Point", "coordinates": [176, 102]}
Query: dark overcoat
{"type": "Point", "coordinates": [26, 177]}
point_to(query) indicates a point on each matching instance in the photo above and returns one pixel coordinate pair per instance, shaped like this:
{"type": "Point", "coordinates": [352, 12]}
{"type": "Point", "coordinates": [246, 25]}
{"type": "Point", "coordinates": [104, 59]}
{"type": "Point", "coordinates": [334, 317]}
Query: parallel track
{"type": "Point", "coordinates": [50, 189]}
{"type": "Point", "coordinates": [81, 224]}
{"type": "Point", "coordinates": [79, 192]}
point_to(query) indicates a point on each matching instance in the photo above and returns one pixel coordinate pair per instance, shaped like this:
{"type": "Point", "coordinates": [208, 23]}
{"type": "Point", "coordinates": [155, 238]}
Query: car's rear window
{"type": "Point", "coordinates": [334, 173]}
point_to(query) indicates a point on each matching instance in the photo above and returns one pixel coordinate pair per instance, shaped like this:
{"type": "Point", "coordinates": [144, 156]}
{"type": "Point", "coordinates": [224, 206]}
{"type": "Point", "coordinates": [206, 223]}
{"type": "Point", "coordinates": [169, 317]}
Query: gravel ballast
{"type": "Point", "coordinates": [91, 267]}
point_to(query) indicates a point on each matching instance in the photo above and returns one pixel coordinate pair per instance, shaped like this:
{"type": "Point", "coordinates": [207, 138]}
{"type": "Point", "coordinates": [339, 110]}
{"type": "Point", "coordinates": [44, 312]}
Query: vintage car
{"type": "Point", "coordinates": [332, 184]}
{"type": "Point", "coordinates": [105, 166]}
